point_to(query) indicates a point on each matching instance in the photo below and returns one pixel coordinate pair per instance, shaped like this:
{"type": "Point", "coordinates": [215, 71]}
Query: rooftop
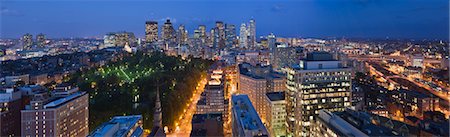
{"type": "Point", "coordinates": [63, 100]}
{"type": "Point", "coordinates": [275, 96]}
{"type": "Point", "coordinates": [319, 56]}
{"type": "Point", "coordinates": [246, 115]}
{"type": "Point", "coordinates": [119, 126]}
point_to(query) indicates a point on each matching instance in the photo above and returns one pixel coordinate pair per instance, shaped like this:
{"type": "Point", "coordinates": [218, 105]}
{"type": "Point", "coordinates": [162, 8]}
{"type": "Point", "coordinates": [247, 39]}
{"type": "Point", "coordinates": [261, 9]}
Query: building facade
{"type": "Point", "coordinates": [318, 82]}
{"type": "Point", "coordinates": [151, 31]}
{"type": "Point", "coordinates": [62, 116]}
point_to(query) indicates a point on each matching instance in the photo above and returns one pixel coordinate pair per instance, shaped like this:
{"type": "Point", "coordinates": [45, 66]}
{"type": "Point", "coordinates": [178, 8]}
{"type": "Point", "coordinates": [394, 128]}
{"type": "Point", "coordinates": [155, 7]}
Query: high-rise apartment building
{"type": "Point", "coordinates": [318, 82]}
{"type": "Point", "coordinates": [56, 116]}
{"type": "Point", "coordinates": [27, 41]}
{"type": "Point", "coordinates": [40, 39]}
{"type": "Point", "coordinates": [245, 120]}
{"type": "Point", "coordinates": [151, 31]}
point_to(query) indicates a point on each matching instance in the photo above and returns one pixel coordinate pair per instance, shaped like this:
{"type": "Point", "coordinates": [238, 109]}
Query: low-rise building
{"type": "Point", "coordinates": [120, 126]}
{"type": "Point", "coordinates": [245, 121]}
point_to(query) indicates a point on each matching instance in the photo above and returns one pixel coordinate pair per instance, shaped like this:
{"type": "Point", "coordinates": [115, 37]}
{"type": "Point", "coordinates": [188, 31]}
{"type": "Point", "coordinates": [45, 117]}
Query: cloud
{"type": "Point", "coordinates": [9, 12]}
{"type": "Point", "coordinates": [276, 8]}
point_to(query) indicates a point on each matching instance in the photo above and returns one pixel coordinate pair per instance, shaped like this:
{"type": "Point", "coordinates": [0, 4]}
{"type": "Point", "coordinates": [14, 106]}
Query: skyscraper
{"type": "Point", "coordinates": [168, 33]}
{"type": "Point", "coordinates": [202, 31]}
{"type": "Point", "coordinates": [252, 33]}
{"type": "Point", "coordinates": [219, 35]}
{"type": "Point", "coordinates": [27, 41]}
{"type": "Point", "coordinates": [182, 35]}
{"type": "Point", "coordinates": [243, 36]}
{"type": "Point", "coordinates": [151, 31]}
{"type": "Point", "coordinates": [40, 38]}
{"type": "Point", "coordinates": [230, 35]}
{"type": "Point", "coordinates": [318, 82]}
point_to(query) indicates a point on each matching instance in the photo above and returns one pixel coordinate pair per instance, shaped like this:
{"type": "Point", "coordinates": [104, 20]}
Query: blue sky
{"type": "Point", "coordinates": [416, 19]}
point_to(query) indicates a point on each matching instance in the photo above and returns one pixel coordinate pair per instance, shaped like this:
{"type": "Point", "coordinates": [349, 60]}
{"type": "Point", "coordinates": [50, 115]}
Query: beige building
{"type": "Point", "coordinates": [256, 81]}
{"type": "Point", "coordinates": [58, 117]}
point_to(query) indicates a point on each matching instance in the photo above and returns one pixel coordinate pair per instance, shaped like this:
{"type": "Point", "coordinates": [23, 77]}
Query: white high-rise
{"type": "Point", "coordinates": [252, 33]}
{"type": "Point", "coordinates": [243, 36]}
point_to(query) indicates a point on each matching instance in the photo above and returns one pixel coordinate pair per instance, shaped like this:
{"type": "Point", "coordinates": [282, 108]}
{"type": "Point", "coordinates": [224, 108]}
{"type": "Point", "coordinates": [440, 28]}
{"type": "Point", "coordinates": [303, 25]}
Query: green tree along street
{"type": "Point", "coordinates": [128, 86]}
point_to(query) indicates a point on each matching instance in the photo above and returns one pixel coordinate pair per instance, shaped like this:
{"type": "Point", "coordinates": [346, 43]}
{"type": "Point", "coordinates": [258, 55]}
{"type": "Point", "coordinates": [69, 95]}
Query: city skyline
{"type": "Point", "coordinates": [323, 19]}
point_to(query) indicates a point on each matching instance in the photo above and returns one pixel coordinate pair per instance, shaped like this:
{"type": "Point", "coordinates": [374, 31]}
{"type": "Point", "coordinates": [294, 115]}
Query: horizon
{"type": "Point", "coordinates": [360, 19]}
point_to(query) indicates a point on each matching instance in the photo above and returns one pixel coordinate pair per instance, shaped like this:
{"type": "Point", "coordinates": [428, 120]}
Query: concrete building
{"type": "Point", "coordinates": [318, 82]}
{"type": "Point", "coordinates": [245, 120]}
{"type": "Point", "coordinates": [256, 81]}
{"type": "Point", "coordinates": [10, 106]}
{"type": "Point", "coordinates": [120, 126]}
{"type": "Point", "coordinates": [56, 116]}
{"type": "Point", "coordinates": [276, 114]}
{"type": "Point", "coordinates": [283, 56]}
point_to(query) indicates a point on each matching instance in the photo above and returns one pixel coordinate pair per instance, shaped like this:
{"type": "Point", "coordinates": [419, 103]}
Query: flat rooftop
{"type": "Point", "coordinates": [63, 100]}
{"type": "Point", "coordinates": [119, 125]}
{"type": "Point", "coordinates": [275, 96]}
{"type": "Point", "coordinates": [247, 116]}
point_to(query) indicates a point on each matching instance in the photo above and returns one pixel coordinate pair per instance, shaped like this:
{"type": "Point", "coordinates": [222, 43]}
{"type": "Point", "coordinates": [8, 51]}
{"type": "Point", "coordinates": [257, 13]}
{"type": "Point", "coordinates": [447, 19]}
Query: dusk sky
{"type": "Point", "coordinates": [415, 19]}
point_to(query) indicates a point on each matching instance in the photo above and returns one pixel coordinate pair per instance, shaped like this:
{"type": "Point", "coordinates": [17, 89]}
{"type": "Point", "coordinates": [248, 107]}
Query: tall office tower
{"type": "Point", "coordinates": [40, 38]}
{"type": "Point", "coordinates": [10, 106]}
{"type": "Point", "coordinates": [256, 81]}
{"type": "Point", "coordinates": [284, 56]}
{"type": "Point", "coordinates": [245, 120]}
{"type": "Point", "coordinates": [120, 126]}
{"type": "Point", "coordinates": [219, 35]}
{"type": "Point", "coordinates": [182, 35]}
{"type": "Point", "coordinates": [318, 82]}
{"type": "Point", "coordinates": [271, 41]}
{"type": "Point", "coordinates": [252, 33]}
{"type": "Point", "coordinates": [230, 35]}
{"type": "Point", "coordinates": [27, 41]}
{"type": "Point", "coordinates": [64, 115]}
{"type": "Point", "coordinates": [276, 113]}
{"type": "Point", "coordinates": [151, 31]}
{"type": "Point", "coordinates": [243, 36]}
{"type": "Point", "coordinates": [168, 33]}
{"type": "Point", "coordinates": [202, 31]}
